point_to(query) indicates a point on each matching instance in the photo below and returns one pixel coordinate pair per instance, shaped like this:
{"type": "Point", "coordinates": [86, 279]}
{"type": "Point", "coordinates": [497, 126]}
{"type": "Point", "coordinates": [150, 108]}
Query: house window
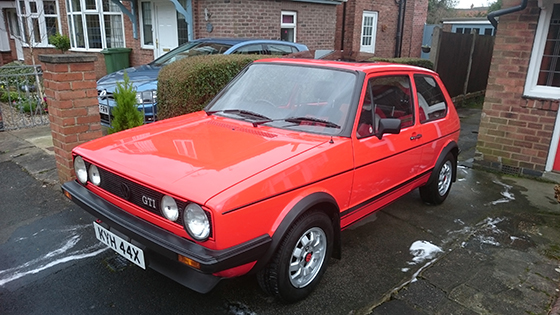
{"type": "Point", "coordinates": [543, 75]}
{"type": "Point", "coordinates": [37, 21]}
{"type": "Point", "coordinates": [182, 26]}
{"type": "Point", "coordinates": [369, 31]}
{"type": "Point", "coordinates": [95, 24]}
{"type": "Point", "coordinates": [288, 26]}
{"type": "Point", "coordinates": [147, 24]}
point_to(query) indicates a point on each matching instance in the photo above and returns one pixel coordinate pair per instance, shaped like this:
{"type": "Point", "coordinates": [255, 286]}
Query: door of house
{"type": "Point", "coordinates": [166, 37]}
{"type": "Point", "coordinates": [369, 31]}
{"type": "Point", "coordinates": [15, 32]}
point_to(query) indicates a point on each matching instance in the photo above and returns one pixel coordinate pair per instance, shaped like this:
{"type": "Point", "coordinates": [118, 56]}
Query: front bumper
{"type": "Point", "coordinates": [161, 247]}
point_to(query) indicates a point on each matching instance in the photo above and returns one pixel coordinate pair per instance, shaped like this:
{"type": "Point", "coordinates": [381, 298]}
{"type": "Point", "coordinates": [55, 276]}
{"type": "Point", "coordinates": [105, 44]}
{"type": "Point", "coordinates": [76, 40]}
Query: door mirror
{"type": "Point", "coordinates": [388, 125]}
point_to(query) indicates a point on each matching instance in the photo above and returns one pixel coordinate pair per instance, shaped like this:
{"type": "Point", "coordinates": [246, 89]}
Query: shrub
{"type": "Point", "coordinates": [27, 105]}
{"type": "Point", "coordinates": [125, 113]}
{"type": "Point", "coordinates": [189, 84]}
{"type": "Point", "coordinates": [60, 41]}
{"type": "Point", "coordinates": [9, 96]}
{"type": "Point", "coordinates": [424, 63]}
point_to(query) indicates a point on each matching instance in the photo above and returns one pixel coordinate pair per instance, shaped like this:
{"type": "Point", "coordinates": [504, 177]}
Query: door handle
{"type": "Point", "coordinates": [416, 137]}
{"type": "Point", "coordinates": [157, 43]}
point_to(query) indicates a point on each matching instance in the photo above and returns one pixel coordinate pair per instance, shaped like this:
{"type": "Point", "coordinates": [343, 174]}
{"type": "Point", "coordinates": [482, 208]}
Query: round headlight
{"type": "Point", "coordinates": [196, 222]}
{"type": "Point", "coordinates": [93, 174]}
{"type": "Point", "coordinates": [169, 208]}
{"type": "Point", "coordinates": [80, 169]}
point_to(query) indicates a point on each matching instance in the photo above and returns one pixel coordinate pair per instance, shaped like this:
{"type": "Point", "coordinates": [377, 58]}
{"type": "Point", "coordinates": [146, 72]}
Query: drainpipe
{"type": "Point", "coordinates": [492, 15]}
{"type": "Point", "coordinates": [343, 30]}
{"type": "Point", "coordinates": [400, 26]}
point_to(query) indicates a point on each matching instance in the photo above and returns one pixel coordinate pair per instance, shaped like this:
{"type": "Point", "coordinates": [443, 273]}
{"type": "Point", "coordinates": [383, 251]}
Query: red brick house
{"type": "Point", "coordinates": [520, 125]}
{"type": "Point", "coordinates": [384, 28]}
{"type": "Point", "coordinates": [153, 27]}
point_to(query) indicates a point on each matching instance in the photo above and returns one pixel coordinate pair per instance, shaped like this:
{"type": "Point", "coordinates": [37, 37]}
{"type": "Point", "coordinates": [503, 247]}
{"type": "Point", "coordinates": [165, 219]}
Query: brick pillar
{"type": "Point", "coordinates": [71, 91]}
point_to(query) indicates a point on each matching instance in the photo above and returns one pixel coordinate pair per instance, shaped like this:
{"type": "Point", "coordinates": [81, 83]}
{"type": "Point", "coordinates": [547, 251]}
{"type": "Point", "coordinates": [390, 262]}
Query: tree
{"type": "Point", "coordinates": [495, 6]}
{"type": "Point", "coordinates": [125, 114]}
{"type": "Point", "coordinates": [438, 9]}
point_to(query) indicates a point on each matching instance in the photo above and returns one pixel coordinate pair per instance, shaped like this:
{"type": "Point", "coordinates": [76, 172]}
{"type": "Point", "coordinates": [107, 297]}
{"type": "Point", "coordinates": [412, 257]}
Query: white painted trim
{"type": "Point", "coordinates": [531, 88]}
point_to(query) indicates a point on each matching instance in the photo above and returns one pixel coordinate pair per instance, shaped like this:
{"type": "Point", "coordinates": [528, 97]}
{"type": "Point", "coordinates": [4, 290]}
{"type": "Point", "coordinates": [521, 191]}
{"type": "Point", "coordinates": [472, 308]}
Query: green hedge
{"type": "Point", "coordinates": [187, 85]}
{"type": "Point", "coordinates": [424, 63]}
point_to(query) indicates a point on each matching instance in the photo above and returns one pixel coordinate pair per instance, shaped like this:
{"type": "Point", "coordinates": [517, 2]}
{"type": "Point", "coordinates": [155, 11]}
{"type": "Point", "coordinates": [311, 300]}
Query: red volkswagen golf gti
{"type": "Point", "coordinates": [263, 180]}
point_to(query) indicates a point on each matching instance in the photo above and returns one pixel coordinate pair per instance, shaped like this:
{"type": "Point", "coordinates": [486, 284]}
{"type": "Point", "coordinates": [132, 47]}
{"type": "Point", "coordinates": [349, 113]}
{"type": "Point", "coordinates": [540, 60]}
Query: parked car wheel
{"type": "Point", "coordinates": [301, 259]}
{"type": "Point", "coordinates": [436, 191]}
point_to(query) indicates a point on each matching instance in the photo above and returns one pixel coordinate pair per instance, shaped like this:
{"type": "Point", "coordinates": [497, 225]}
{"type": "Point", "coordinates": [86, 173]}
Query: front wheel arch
{"type": "Point", "coordinates": [319, 201]}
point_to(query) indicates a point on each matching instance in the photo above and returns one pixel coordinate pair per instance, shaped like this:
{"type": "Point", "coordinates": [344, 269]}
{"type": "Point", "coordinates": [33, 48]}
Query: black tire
{"type": "Point", "coordinates": [288, 285]}
{"type": "Point", "coordinates": [437, 191]}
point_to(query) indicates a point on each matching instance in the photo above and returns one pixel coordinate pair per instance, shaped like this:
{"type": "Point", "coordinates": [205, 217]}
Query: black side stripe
{"type": "Point", "coordinates": [346, 213]}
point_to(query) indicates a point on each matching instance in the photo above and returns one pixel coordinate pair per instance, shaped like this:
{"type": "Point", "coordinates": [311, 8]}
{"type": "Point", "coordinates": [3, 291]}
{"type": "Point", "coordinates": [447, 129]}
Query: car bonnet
{"type": "Point", "coordinates": [195, 156]}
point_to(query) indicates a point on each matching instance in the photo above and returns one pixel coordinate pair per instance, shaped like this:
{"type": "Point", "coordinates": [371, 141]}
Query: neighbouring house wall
{"type": "Point", "coordinates": [515, 131]}
{"type": "Point", "coordinates": [415, 16]}
{"type": "Point", "coordinates": [138, 56]}
{"type": "Point", "coordinates": [261, 19]}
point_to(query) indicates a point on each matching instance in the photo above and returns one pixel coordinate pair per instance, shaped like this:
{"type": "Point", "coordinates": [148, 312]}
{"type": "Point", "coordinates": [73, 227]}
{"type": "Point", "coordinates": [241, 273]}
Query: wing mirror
{"type": "Point", "coordinates": [388, 125]}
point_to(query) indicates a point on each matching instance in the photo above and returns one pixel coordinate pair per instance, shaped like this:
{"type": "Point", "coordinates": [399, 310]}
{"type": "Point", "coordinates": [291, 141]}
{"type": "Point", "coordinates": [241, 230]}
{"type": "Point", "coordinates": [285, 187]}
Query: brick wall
{"type": "Point", "coordinates": [261, 18]}
{"type": "Point", "coordinates": [415, 15]}
{"type": "Point", "coordinates": [71, 92]}
{"type": "Point", "coordinates": [515, 131]}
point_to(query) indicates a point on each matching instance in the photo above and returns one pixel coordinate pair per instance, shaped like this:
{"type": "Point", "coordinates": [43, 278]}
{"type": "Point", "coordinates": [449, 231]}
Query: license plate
{"type": "Point", "coordinates": [104, 109]}
{"type": "Point", "coordinates": [124, 248]}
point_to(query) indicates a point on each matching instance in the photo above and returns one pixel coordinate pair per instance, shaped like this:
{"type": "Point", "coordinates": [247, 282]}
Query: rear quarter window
{"type": "Point", "coordinates": [431, 101]}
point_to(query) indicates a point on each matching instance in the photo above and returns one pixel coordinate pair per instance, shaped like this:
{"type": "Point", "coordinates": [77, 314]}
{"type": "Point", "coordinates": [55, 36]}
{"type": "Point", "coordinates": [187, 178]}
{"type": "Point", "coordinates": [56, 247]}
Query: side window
{"type": "Point", "coordinates": [280, 50]}
{"type": "Point", "coordinates": [254, 49]}
{"type": "Point", "coordinates": [431, 101]}
{"type": "Point", "coordinates": [386, 97]}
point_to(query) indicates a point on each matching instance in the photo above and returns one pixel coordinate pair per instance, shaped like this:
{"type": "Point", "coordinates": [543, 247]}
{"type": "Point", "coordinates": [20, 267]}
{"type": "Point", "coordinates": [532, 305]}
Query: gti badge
{"type": "Point", "coordinates": [147, 201]}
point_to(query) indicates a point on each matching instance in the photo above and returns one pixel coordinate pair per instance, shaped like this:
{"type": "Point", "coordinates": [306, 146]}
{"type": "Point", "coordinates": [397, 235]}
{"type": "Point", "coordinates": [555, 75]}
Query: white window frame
{"type": "Point", "coordinates": [40, 16]}
{"type": "Point", "coordinates": [83, 13]}
{"type": "Point", "coordinates": [375, 16]}
{"type": "Point", "coordinates": [289, 25]}
{"type": "Point", "coordinates": [142, 25]}
{"type": "Point", "coordinates": [531, 88]}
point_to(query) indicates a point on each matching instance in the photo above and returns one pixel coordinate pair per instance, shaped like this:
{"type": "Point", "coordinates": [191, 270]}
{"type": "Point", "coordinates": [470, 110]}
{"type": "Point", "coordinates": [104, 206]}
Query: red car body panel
{"type": "Point", "coordinates": [251, 177]}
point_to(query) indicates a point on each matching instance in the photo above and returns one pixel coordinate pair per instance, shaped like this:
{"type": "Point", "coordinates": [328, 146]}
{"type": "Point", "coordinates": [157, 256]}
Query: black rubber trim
{"type": "Point", "coordinates": [349, 211]}
{"type": "Point", "coordinates": [300, 208]}
{"type": "Point", "coordinates": [163, 242]}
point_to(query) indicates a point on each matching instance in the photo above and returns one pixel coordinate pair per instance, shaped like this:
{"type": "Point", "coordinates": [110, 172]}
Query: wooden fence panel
{"type": "Point", "coordinates": [454, 63]}
{"type": "Point", "coordinates": [482, 57]}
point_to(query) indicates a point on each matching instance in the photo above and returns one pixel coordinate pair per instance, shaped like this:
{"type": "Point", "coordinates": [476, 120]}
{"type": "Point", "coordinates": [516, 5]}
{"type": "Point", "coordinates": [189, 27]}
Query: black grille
{"type": "Point", "coordinates": [135, 193]}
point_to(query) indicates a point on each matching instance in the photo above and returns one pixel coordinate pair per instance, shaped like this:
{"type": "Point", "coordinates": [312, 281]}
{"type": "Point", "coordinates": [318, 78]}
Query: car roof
{"type": "Point", "coordinates": [235, 41]}
{"type": "Point", "coordinates": [367, 67]}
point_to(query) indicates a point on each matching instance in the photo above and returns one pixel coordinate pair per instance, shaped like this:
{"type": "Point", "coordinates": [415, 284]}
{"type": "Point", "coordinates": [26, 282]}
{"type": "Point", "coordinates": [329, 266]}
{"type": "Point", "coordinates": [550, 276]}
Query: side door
{"type": "Point", "coordinates": [385, 168]}
{"type": "Point", "coordinates": [432, 108]}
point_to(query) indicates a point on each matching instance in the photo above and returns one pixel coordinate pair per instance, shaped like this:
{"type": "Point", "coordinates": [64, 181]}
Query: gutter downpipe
{"type": "Point", "coordinates": [400, 22]}
{"type": "Point", "coordinates": [492, 15]}
{"type": "Point", "coordinates": [343, 30]}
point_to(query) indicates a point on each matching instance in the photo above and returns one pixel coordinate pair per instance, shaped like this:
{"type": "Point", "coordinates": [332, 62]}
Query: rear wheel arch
{"type": "Point", "coordinates": [452, 148]}
{"type": "Point", "coordinates": [319, 201]}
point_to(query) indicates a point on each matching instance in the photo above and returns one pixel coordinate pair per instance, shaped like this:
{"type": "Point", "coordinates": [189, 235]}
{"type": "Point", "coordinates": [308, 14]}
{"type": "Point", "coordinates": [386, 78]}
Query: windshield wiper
{"type": "Point", "coordinates": [318, 121]}
{"type": "Point", "coordinates": [240, 112]}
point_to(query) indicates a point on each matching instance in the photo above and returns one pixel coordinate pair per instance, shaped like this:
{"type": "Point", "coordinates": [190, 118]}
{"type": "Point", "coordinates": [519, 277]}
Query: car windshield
{"type": "Point", "coordinates": [189, 50]}
{"type": "Point", "coordinates": [306, 98]}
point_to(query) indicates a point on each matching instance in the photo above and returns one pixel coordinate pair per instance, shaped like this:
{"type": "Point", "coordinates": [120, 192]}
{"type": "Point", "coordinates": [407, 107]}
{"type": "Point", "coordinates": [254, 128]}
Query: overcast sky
{"type": "Point", "coordinates": [465, 4]}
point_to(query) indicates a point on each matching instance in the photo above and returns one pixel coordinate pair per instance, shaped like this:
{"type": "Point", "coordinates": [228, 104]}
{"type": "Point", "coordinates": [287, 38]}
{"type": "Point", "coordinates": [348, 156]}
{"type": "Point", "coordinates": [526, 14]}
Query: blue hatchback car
{"type": "Point", "coordinates": [144, 78]}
